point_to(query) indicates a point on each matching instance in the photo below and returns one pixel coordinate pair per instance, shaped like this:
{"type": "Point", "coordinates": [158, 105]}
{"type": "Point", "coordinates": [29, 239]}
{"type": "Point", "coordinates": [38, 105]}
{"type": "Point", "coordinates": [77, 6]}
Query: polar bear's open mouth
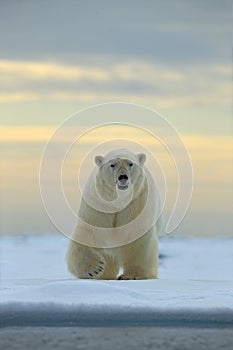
{"type": "Point", "coordinates": [122, 186]}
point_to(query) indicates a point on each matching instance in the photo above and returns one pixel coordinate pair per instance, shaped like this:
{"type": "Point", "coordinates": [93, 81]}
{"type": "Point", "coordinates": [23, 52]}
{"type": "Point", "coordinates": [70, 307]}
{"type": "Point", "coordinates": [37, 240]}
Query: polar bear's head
{"type": "Point", "coordinates": [120, 169]}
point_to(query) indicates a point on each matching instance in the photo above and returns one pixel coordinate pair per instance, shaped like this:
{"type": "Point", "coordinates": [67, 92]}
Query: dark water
{"type": "Point", "coordinates": [110, 338]}
{"type": "Point", "coordinates": [14, 315]}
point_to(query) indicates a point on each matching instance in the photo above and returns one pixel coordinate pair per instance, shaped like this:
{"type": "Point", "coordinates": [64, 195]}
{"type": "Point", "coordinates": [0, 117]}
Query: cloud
{"type": "Point", "coordinates": [138, 81]}
{"type": "Point", "coordinates": [44, 71]}
{"type": "Point", "coordinates": [172, 31]}
{"type": "Point", "coordinates": [201, 146]}
{"type": "Point", "coordinates": [22, 149]}
{"type": "Point", "coordinates": [25, 133]}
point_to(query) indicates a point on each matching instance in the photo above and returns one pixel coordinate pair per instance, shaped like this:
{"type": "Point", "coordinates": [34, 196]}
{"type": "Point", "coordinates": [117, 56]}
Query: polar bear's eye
{"type": "Point", "coordinates": [112, 165]}
{"type": "Point", "coordinates": [130, 164]}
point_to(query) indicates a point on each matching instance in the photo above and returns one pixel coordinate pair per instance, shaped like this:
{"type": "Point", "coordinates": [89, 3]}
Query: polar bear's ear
{"type": "Point", "coordinates": [141, 158]}
{"type": "Point", "coordinates": [99, 160]}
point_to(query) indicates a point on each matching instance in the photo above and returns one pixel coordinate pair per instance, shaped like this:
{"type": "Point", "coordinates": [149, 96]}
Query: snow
{"type": "Point", "coordinates": [195, 283]}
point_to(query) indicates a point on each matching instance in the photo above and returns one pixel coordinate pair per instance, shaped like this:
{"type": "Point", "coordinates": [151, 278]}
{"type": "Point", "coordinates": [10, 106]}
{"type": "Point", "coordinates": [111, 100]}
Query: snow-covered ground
{"type": "Point", "coordinates": [195, 285]}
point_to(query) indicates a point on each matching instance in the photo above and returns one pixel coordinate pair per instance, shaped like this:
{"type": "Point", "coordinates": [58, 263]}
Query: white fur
{"type": "Point", "coordinates": [124, 215]}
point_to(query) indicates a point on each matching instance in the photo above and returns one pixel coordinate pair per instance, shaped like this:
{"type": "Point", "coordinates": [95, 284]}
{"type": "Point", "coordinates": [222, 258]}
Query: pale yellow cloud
{"type": "Point", "coordinates": [146, 72]}
{"type": "Point", "coordinates": [94, 98]}
{"type": "Point", "coordinates": [208, 85]}
{"type": "Point", "coordinates": [19, 97]}
{"type": "Point", "coordinates": [215, 144]}
{"type": "Point", "coordinates": [41, 71]}
{"type": "Point", "coordinates": [14, 134]}
{"type": "Point", "coordinates": [22, 149]}
{"type": "Point", "coordinates": [211, 155]}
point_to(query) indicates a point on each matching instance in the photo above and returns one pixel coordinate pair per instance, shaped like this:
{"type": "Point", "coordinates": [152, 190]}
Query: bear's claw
{"type": "Point", "coordinates": [125, 277]}
{"type": "Point", "coordinates": [96, 272]}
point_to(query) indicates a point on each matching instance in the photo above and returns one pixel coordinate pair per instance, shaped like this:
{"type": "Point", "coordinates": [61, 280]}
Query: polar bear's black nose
{"type": "Point", "coordinates": [123, 177]}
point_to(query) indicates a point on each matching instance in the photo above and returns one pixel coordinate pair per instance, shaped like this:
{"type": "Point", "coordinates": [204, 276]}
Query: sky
{"type": "Point", "coordinates": [59, 57]}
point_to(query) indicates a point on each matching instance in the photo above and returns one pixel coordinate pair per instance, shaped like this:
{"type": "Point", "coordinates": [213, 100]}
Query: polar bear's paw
{"type": "Point", "coordinates": [131, 277]}
{"type": "Point", "coordinates": [91, 270]}
{"type": "Point", "coordinates": [96, 271]}
{"type": "Point", "coordinates": [91, 266]}
{"type": "Point", "coordinates": [137, 273]}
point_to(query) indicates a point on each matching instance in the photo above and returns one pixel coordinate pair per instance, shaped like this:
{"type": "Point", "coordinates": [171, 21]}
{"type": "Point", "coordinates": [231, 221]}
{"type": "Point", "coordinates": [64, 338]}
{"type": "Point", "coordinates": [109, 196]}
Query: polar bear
{"type": "Point", "coordinates": [118, 200]}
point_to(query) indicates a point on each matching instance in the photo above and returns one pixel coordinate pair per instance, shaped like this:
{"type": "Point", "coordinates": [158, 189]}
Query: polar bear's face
{"type": "Point", "coordinates": [120, 172]}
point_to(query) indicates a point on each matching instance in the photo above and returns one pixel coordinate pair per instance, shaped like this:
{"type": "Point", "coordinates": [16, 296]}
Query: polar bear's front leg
{"type": "Point", "coordinates": [84, 261]}
{"type": "Point", "coordinates": [140, 258]}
